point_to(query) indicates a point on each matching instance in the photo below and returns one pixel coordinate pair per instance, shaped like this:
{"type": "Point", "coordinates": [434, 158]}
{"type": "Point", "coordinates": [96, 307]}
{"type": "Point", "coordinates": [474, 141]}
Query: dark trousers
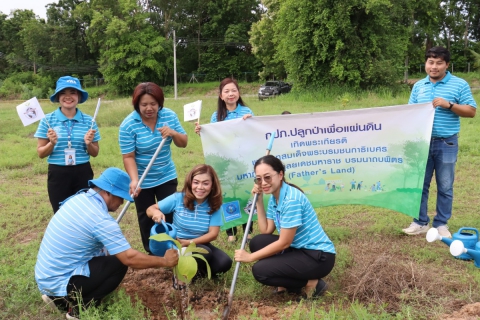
{"type": "Point", "coordinates": [218, 261]}
{"type": "Point", "coordinates": [233, 231]}
{"type": "Point", "coordinates": [291, 269]}
{"type": "Point", "coordinates": [144, 200]}
{"type": "Point", "coordinates": [65, 181]}
{"type": "Point", "coordinates": [106, 273]}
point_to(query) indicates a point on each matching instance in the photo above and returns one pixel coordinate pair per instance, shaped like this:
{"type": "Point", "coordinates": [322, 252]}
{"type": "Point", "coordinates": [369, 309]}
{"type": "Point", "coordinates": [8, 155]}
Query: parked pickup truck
{"type": "Point", "coordinates": [273, 88]}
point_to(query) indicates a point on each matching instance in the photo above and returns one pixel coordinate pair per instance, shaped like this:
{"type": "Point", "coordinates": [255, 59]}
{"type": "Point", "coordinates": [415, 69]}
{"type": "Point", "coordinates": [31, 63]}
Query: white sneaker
{"type": "Point", "coordinates": [415, 228]}
{"type": "Point", "coordinates": [443, 231]}
{"type": "Point", "coordinates": [50, 304]}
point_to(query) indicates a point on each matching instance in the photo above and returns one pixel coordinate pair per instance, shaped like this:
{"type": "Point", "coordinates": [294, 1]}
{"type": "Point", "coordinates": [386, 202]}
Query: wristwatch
{"type": "Point", "coordinates": [451, 106]}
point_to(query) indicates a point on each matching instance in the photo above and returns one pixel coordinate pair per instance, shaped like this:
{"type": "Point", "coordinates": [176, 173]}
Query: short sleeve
{"type": "Point", "coordinates": [42, 130]}
{"type": "Point", "coordinates": [127, 137]}
{"type": "Point", "coordinates": [169, 204]}
{"type": "Point", "coordinates": [216, 219]}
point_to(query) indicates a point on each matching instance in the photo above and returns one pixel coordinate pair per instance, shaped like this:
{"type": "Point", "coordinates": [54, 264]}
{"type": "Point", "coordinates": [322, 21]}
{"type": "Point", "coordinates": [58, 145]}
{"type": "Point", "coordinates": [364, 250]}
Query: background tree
{"type": "Point", "coordinates": [132, 51]}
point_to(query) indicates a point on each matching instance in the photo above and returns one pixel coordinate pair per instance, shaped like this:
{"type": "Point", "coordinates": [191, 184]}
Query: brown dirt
{"type": "Point", "coordinates": [467, 312]}
{"type": "Point", "coordinates": [153, 287]}
{"type": "Point", "coordinates": [381, 272]}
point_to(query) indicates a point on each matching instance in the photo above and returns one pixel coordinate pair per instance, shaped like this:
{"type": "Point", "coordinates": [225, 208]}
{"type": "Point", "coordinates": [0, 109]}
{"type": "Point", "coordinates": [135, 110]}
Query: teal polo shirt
{"type": "Point", "coordinates": [76, 127]}
{"type": "Point", "coordinates": [190, 224]}
{"type": "Point", "coordinates": [239, 112]}
{"type": "Point", "coordinates": [446, 123]}
{"type": "Point", "coordinates": [78, 232]}
{"type": "Point", "coordinates": [137, 137]}
{"type": "Point", "coordinates": [294, 210]}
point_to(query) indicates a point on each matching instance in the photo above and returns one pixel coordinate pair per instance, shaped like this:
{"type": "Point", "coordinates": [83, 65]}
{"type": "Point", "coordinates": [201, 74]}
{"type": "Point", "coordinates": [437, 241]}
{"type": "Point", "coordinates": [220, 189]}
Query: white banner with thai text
{"type": "Point", "coordinates": [374, 156]}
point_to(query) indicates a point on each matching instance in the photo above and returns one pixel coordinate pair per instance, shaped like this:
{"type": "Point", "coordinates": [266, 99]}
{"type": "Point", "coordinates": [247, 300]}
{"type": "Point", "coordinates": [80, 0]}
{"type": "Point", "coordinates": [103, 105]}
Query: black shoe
{"type": "Point", "coordinates": [320, 289]}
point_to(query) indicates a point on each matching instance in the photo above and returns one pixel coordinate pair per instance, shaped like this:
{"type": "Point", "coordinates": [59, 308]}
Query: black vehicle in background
{"type": "Point", "coordinates": [273, 88]}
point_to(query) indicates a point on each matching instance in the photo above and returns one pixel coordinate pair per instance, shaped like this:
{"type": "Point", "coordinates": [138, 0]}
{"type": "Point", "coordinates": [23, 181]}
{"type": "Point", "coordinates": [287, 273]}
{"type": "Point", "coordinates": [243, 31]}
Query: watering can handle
{"type": "Point", "coordinates": [469, 229]}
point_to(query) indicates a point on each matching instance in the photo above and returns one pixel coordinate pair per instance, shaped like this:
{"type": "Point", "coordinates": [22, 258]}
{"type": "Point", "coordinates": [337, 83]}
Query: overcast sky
{"type": "Point", "coordinates": [38, 6]}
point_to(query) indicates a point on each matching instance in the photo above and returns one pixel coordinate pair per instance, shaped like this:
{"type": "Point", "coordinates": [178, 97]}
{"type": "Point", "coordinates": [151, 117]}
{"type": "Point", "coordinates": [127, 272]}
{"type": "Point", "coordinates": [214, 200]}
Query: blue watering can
{"type": "Point", "coordinates": [468, 240]}
{"type": "Point", "coordinates": [159, 248]}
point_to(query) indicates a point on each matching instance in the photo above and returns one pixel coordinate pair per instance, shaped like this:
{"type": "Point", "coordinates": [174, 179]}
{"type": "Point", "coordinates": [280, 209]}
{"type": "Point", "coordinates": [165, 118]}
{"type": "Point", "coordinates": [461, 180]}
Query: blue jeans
{"type": "Point", "coordinates": [442, 158]}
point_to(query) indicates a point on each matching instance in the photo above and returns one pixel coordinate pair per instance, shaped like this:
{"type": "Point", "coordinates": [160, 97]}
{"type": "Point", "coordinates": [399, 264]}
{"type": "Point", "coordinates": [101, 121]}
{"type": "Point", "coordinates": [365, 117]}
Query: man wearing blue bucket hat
{"type": "Point", "coordinates": [67, 137]}
{"type": "Point", "coordinates": [72, 260]}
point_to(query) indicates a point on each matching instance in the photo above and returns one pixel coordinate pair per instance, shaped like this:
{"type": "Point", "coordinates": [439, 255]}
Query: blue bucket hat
{"type": "Point", "coordinates": [115, 181]}
{"type": "Point", "coordinates": [69, 82]}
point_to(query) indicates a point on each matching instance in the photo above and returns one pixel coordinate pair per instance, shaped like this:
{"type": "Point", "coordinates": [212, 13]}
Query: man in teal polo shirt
{"type": "Point", "coordinates": [452, 98]}
{"type": "Point", "coordinates": [72, 260]}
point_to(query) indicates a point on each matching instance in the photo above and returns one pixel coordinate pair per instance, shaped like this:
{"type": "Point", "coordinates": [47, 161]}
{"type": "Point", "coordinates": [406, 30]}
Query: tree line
{"type": "Point", "coordinates": [362, 43]}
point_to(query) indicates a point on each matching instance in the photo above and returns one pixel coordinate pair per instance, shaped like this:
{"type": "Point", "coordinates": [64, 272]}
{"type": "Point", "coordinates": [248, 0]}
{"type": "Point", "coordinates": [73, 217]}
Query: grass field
{"type": "Point", "coordinates": [379, 274]}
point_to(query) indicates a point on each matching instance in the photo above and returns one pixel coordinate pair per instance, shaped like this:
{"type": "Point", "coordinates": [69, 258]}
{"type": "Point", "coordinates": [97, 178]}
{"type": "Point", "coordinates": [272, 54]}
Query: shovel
{"type": "Point", "coordinates": [150, 164]}
{"type": "Point", "coordinates": [226, 311]}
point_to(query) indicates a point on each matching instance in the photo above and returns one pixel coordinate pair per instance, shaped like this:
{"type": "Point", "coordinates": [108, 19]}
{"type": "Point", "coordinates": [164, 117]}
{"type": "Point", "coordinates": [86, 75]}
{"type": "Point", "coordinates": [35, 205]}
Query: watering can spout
{"type": "Point", "coordinates": [457, 248]}
{"type": "Point", "coordinates": [433, 235]}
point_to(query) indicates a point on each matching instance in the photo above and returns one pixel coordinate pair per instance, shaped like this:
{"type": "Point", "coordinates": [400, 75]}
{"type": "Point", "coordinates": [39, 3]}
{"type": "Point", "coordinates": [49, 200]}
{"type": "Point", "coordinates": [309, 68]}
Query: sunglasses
{"type": "Point", "coordinates": [267, 179]}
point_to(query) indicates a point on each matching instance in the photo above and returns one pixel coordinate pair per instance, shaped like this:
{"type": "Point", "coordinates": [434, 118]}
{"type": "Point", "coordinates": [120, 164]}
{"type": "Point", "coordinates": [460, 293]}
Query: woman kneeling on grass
{"type": "Point", "coordinates": [302, 254]}
{"type": "Point", "coordinates": [197, 217]}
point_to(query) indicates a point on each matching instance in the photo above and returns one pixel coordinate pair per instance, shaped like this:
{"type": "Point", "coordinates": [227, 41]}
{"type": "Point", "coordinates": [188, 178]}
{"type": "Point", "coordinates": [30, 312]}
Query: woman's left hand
{"type": "Point", "coordinates": [242, 256]}
{"type": "Point", "coordinates": [245, 117]}
{"type": "Point", "coordinates": [166, 132]}
{"type": "Point", "coordinates": [184, 242]}
{"type": "Point", "coordinates": [88, 138]}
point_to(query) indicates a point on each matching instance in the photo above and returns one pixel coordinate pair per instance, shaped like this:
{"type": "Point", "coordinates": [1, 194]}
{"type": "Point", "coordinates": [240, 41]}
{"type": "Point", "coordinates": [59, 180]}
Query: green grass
{"type": "Point", "coordinates": [25, 212]}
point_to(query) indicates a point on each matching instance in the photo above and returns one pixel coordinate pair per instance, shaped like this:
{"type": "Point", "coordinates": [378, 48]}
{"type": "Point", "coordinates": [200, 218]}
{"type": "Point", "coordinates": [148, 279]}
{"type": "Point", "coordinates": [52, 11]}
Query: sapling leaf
{"type": "Point", "coordinates": [199, 256]}
{"type": "Point", "coordinates": [161, 237]}
{"type": "Point", "coordinates": [187, 268]}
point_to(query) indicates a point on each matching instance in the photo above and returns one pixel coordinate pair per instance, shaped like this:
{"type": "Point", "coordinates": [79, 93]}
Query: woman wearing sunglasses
{"type": "Point", "coordinates": [301, 254]}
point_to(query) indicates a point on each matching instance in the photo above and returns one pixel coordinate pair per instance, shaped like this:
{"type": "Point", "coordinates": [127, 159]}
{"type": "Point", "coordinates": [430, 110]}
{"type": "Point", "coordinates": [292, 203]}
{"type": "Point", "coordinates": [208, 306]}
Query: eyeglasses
{"type": "Point", "coordinates": [267, 179]}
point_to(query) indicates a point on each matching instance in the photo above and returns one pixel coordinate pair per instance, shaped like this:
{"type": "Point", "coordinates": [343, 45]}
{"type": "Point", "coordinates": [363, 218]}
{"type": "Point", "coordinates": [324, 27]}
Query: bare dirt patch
{"type": "Point", "coordinates": [467, 312]}
{"type": "Point", "coordinates": [153, 287]}
{"type": "Point", "coordinates": [381, 272]}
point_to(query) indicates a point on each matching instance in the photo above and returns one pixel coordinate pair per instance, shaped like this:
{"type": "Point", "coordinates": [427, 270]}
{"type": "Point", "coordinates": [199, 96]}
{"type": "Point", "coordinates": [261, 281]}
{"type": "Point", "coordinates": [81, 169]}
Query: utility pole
{"type": "Point", "coordinates": [175, 64]}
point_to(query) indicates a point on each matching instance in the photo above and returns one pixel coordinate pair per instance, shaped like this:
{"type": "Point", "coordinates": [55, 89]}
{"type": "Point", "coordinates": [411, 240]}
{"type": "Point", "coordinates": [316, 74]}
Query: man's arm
{"type": "Point", "coordinates": [462, 110]}
{"type": "Point", "coordinates": [137, 260]}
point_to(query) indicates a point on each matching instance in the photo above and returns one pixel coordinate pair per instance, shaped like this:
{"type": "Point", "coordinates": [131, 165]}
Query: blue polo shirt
{"type": "Point", "coordinates": [78, 232]}
{"type": "Point", "coordinates": [239, 112]}
{"type": "Point", "coordinates": [190, 224]}
{"type": "Point", "coordinates": [76, 127]}
{"type": "Point", "coordinates": [451, 88]}
{"type": "Point", "coordinates": [294, 210]}
{"type": "Point", "coordinates": [137, 137]}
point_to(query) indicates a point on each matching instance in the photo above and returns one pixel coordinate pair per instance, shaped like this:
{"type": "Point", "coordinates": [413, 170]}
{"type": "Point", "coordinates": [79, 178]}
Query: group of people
{"type": "Point", "coordinates": [84, 253]}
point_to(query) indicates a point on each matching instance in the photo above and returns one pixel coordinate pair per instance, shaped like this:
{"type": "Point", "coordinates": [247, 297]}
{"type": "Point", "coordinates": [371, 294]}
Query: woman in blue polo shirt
{"type": "Point", "coordinates": [301, 254]}
{"type": "Point", "coordinates": [67, 138]}
{"type": "Point", "coordinates": [140, 134]}
{"type": "Point", "coordinates": [229, 106]}
{"type": "Point", "coordinates": [198, 217]}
